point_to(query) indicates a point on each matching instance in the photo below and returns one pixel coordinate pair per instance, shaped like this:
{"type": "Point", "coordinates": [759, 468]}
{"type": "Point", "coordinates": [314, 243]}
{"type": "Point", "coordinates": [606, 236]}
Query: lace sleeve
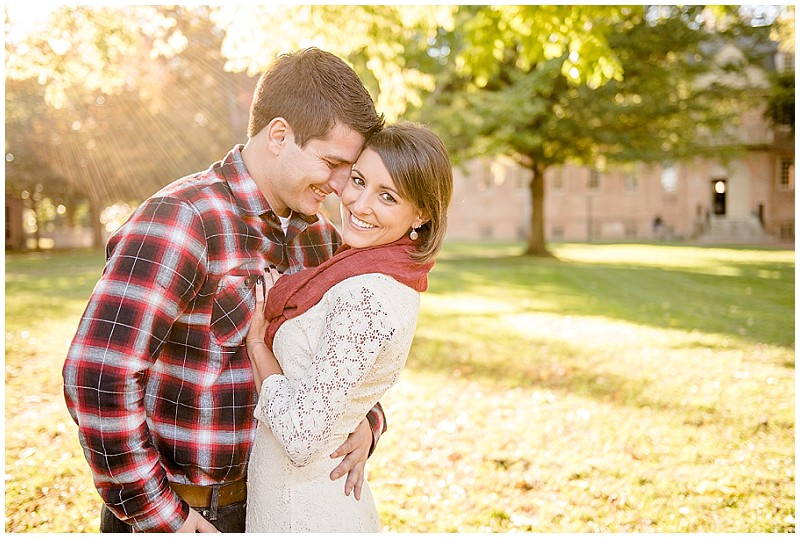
{"type": "Point", "coordinates": [302, 413]}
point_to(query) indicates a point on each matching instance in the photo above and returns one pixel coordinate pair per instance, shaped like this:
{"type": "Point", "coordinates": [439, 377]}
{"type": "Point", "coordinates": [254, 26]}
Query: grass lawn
{"type": "Point", "coordinates": [617, 388]}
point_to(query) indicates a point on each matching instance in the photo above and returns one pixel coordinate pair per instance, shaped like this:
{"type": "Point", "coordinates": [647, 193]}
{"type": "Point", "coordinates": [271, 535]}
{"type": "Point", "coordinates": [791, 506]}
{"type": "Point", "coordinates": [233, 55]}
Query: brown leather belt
{"type": "Point", "coordinates": [202, 496]}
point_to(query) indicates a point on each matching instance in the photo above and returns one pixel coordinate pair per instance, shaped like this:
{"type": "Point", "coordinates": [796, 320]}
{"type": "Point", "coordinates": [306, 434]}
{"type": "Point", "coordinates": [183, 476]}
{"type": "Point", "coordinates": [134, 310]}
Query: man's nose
{"type": "Point", "coordinates": [338, 178]}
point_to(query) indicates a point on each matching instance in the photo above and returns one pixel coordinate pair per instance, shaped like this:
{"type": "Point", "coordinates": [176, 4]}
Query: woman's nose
{"type": "Point", "coordinates": [360, 203]}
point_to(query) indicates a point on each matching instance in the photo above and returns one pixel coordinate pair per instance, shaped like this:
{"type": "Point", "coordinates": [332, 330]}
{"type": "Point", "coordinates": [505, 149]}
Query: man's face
{"type": "Point", "coordinates": [310, 174]}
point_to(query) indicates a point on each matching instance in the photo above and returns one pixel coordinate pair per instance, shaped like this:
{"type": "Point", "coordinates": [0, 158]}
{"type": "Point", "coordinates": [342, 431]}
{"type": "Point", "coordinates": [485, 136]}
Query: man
{"type": "Point", "coordinates": [157, 377]}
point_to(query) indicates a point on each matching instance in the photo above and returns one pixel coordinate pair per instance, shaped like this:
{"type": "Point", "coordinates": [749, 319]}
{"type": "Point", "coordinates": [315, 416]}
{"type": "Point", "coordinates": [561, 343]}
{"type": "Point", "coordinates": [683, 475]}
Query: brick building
{"type": "Point", "coordinates": [707, 200]}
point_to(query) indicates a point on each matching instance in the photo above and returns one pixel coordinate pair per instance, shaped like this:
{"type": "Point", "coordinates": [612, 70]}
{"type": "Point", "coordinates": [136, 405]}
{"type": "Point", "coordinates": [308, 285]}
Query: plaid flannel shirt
{"type": "Point", "coordinates": [157, 377]}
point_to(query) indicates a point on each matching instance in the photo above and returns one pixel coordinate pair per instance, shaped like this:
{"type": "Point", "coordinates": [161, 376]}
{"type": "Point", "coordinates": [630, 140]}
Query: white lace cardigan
{"type": "Point", "coordinates": [338, 359]}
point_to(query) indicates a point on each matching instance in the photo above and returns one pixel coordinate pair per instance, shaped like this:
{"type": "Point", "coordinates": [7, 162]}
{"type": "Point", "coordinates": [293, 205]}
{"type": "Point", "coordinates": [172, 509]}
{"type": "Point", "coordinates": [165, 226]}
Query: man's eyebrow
{"type": "Point", "coordinates": [338, 159]}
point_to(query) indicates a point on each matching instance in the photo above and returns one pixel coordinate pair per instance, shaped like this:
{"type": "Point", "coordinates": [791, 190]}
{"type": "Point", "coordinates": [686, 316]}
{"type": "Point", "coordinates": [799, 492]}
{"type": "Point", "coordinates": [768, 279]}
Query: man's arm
{"type": "Point", "coordinates": [147, 281]}
{"type": "Point", "coordinates": [377, 424]}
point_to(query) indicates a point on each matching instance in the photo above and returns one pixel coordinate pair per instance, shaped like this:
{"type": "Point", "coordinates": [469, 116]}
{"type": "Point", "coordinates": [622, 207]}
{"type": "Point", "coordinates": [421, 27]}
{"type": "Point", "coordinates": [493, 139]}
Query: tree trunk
{"type": "Point", "coordinates": [37, 232]}
{"type": "Point", "coordinates": [97, 226]}
{"type": "Point", "coordinates": [536, 244]}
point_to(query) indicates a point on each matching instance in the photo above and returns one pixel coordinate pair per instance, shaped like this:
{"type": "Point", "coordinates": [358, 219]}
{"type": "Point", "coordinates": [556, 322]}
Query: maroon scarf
{"type": "Point", "coordinates": [294, 294]}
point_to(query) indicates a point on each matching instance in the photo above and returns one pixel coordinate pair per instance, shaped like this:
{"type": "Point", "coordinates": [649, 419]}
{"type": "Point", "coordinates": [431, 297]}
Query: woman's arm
{"type": "Point", "coordinates": [262, 361]}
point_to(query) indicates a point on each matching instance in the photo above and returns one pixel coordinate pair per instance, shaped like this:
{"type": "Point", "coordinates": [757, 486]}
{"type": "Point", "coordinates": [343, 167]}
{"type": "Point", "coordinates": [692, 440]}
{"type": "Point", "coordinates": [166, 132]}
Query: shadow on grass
{"type": "Point", "coordinates": [563, 368]}
{"type": "Point", "coordinates": [582, 380]}
{"type": "Point", "coordinates": [443, 356]}
{"type": "Point", "coordinates": [749, 301]}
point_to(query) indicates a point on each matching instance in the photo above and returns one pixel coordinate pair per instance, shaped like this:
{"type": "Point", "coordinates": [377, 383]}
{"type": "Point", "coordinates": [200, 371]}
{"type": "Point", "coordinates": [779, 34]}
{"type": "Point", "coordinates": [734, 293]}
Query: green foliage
{"type": "Point", "coordinates": [780, 108]}
{"type": "Point", "coordinates": [655, 106]}
{"type": "Point", "coordinates": [496, 37]}
{"type": "Point", "coordinates": [617, 388]}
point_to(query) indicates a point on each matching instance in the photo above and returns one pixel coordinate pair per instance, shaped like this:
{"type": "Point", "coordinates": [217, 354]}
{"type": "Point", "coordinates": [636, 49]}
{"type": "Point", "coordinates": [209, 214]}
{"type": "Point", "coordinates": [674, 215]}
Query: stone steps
{"type": "Point", "coordinates": [735, 230]}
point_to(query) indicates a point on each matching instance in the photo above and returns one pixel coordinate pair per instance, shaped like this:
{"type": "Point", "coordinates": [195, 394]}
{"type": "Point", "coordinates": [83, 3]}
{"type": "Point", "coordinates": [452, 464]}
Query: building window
{"type": "Point", "coordinates": [558, 179]}
{"type": "Point", "coordinates": [498, 172]}
{"type": "Point", "coordinates": [630, 181]}
{"type": "Point", "coordinates": [484, 175]}
{"type": "Point", "coordinates": [594, 179]}
{"type": "Point", "coordinates": [784, 62]}
{"type": "Point", "coordinates": [787, 230]}
{"type": "Point", "coordinates": [523, 178]}
{"type": "Point", "coordinates": [513, 175]}
{"type": "Point", "coordinates": [669, 178]}
{"type": "Point", "coordinates": [786, 178]}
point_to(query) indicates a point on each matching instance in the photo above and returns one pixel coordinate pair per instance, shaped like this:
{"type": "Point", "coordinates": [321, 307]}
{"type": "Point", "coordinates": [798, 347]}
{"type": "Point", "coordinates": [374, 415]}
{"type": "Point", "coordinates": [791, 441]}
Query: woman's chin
{"type": "Point", "coordinates": [354, 240]}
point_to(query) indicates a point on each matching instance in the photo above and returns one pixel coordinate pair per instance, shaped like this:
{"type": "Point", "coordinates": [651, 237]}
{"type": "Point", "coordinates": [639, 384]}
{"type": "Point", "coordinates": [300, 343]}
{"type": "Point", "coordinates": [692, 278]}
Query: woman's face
{"type": "Point", "coordinates": [373, 213]}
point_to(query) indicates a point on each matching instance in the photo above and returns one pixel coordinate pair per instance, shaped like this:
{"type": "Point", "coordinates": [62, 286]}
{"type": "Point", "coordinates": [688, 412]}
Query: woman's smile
{"type": "Point", "coordinates": [358, 223]}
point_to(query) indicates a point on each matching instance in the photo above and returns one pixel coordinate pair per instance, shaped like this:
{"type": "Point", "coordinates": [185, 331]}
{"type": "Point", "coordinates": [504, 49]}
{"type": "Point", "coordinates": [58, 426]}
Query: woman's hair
{"type": "Point", "coordinates": [417, 161]}
{"type": "Point", "coordinates": [312, 90]}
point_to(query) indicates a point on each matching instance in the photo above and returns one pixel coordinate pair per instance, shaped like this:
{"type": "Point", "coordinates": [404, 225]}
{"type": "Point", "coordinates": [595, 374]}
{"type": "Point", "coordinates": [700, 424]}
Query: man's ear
{"type": "Point", "coordinates": [278, 134]}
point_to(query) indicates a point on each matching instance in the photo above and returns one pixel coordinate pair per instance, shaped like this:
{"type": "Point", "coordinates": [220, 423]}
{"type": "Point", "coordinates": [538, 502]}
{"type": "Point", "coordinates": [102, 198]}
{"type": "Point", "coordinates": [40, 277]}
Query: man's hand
{"type": "Point", "coordinates": [356, 448]}
{"type": "Point", "coordinates": [197, 523]}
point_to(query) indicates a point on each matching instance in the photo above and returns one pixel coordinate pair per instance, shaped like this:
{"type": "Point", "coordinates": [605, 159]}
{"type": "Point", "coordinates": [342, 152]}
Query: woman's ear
{"type": "Point", "coordinates": [278, 134]}
{"type": "Point", "coordinates": [420, 220]}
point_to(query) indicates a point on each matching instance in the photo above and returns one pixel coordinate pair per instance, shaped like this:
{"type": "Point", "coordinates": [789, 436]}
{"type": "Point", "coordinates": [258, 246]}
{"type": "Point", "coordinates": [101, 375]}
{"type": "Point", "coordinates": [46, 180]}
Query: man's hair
{"type": "Point", "coordinates": [417, 161]}
{"type": "Point", "coordinates": [312, 90]}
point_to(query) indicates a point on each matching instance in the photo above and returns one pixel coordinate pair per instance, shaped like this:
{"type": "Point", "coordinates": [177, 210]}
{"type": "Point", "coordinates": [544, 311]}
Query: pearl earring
{"type": "Point", "coordinates": [413, 235]}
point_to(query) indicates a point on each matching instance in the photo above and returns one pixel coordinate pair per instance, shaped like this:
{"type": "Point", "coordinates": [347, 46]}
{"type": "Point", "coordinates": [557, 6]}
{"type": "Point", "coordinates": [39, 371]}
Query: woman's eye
{"type": "Point", "coordinates": [358, 181]}
{"type": "Point", "coordinates": [388, 197]}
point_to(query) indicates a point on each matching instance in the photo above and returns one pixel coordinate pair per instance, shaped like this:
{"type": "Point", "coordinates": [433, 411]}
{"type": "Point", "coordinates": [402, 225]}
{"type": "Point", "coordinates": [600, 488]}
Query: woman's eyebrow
{"type": "Point", "coordinates": [388, 188]}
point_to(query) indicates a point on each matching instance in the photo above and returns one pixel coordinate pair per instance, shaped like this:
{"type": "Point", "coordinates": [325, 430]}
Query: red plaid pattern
{"type": "Point", "coordinates": [157, 378]}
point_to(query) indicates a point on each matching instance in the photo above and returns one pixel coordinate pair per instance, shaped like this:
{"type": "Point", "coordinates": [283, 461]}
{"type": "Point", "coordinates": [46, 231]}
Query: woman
{"type": "Point", "coordinates": [337, 336]}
